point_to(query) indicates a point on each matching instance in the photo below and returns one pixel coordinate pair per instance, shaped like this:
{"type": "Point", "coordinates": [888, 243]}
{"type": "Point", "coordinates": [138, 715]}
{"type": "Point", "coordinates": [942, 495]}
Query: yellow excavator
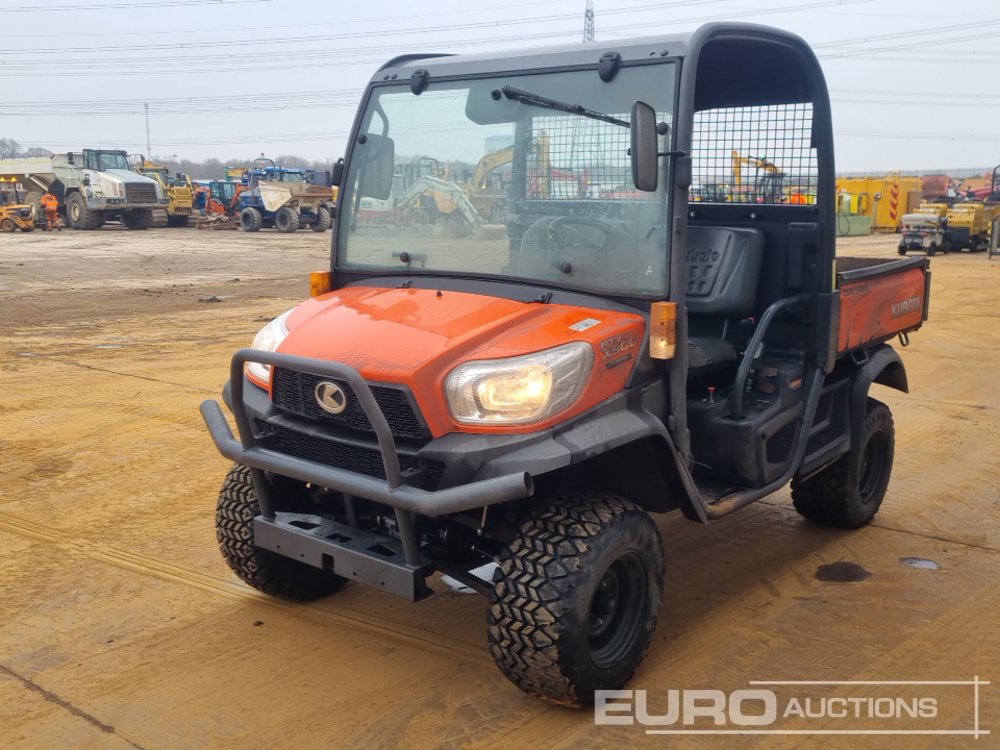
{"type": "Point", "coordinates": [768, 187]}
{"type": "Point", "coordinates": [490, 162]}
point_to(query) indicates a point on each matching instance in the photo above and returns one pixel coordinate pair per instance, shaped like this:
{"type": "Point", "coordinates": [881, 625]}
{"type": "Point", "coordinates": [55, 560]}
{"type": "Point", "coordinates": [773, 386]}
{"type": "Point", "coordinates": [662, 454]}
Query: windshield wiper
{"type": "Point", "coordinates": [526, 97]}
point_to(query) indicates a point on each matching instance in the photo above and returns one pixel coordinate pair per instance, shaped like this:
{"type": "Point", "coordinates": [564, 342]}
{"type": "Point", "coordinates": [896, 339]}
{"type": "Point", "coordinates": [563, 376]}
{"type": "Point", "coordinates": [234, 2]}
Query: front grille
{"type": "Point", "coordinates": [139, 192]}
{"type": "Point", "coordinates": [348, 457]}
{"type": "Point", "coordinates": [294, 392]}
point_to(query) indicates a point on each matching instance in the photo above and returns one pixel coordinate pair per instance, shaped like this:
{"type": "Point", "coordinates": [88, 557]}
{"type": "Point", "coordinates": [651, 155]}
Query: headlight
{"type": "Point", "coordinates": [519, 389]}
{"type": "Point", "coordinates": [268, 339]}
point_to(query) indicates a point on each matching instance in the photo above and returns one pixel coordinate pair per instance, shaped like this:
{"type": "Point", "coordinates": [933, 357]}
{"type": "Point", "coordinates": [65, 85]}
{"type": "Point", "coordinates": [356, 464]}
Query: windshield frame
{"type": "Point", "coordinates": [98, 157]}
{"type": "Point", "coordinates": [344, 275]}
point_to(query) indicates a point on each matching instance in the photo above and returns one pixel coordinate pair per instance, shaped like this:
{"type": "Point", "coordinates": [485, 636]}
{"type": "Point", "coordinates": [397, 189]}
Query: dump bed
{"type": "Point", "coordinates": [880, 299]}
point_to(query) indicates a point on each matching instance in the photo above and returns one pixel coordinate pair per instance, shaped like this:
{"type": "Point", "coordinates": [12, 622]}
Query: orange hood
{"type": "Point", "coordinates": [415, 337]}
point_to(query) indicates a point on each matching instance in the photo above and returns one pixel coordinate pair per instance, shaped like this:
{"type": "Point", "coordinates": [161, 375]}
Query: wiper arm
{"type": "Point", "coordinates": [526, 97]}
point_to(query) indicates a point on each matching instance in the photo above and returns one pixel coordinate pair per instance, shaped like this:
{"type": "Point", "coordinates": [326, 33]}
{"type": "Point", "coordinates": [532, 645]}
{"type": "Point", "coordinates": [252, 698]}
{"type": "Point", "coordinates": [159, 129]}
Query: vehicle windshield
{"type": "Point", "coordinates": [488, 178]}
{"type": "Point", "coordinates": [111, 160]}
{"type": "Point", "coordinates": [280, 175]}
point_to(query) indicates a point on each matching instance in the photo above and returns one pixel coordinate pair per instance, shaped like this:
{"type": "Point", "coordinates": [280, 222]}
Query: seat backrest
{"type": "Point", "coordinates": [723, 266]}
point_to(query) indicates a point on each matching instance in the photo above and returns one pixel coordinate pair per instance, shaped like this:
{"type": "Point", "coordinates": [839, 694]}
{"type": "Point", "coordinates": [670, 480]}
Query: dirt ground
{"type": "Point", "coordinates": [120, 625]}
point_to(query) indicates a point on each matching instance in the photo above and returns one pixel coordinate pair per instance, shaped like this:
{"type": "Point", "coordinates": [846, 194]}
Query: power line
{"type": "Point", "coordinates": [126, 6]}
{"type": "Point", "coordinates": [174, 65]}
{"type": "Point", "coordinates": [506, 7]}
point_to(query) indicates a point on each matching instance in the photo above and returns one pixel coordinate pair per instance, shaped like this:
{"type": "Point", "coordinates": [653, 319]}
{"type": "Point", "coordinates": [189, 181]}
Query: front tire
{"type": "Point", "coordinates": [251, 220]}
{"type": "Point", "coordinates": [323, 220]}
{"type": "Point", "coordinates": [79, 216]}
{"type": "Point", "coordinates": [262, 569]}
{"type": "Point", "coordinates": [849, 492]}
{"type": "Point", "coordinates": [286, 220]}
{"type": "Point", "coordinates": [577, 595]}
{"type": "Point", "coordinates": [138, 218]}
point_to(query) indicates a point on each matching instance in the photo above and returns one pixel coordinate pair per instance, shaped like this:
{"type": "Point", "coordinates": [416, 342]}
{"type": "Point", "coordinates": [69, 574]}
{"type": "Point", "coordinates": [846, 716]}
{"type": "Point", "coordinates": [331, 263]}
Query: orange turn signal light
{"type": "Point", "coordinates": [663, 330]}
{"type": "Point", "coordinates": [320, 282]}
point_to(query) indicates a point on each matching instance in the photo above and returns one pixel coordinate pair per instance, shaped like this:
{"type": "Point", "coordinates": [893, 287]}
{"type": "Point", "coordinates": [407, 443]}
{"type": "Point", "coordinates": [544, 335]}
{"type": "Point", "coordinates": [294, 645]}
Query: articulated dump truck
{"type": "Point", "coordinates": [93, 186]}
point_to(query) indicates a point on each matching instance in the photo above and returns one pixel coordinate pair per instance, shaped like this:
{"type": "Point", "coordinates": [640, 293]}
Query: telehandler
{"type": "Point", "coordinates": [15, 211]}
{"type": "Point", "coordinates": [510, 410]}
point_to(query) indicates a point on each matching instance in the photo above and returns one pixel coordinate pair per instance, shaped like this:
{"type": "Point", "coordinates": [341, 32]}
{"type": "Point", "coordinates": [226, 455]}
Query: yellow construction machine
{"type": "Point", "coordinates": [969, 225]}
{"type": "Point", "coordinates": [769, 183]}
{"type": "Point", "coordinates": [178, 189]}
{"type": "Point", "coordinates": [19, 216]}
{"type": "Point", "coordinates": [15, 210]}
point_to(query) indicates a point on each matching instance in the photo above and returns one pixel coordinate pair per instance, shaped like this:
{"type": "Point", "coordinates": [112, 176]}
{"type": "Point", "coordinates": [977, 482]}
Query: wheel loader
{"type": "Point", "coordinates": [511, 411]}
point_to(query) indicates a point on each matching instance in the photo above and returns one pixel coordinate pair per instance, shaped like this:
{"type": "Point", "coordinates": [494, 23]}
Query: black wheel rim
{"type": "Point", "coordinates": [617, 610]}
{"type": "Point", "coordinates": [872, 470]}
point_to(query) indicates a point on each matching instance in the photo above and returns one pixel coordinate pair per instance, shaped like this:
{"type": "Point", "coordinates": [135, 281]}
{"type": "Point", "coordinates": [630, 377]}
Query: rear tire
{"type": "Point", "coordinates": [7, 225]}
{"type": "Point", "coordinates": [286, 220]}
{"type": "Point", "coordinates": [849, 492]}
{"type": "Point", "coordinates": [577, 595]}
{"type": "Point", "coordinates": [251, 219]}
{"type": "Point", "coordinates": [323, 220]}
{"type": "Point", "coordinates": [262, 569]}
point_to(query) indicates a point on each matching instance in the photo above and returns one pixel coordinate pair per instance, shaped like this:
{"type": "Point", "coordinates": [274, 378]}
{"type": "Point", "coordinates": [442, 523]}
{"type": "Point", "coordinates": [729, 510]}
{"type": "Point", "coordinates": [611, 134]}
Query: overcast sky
{"type": "Point", "coordinates": [915, 84]}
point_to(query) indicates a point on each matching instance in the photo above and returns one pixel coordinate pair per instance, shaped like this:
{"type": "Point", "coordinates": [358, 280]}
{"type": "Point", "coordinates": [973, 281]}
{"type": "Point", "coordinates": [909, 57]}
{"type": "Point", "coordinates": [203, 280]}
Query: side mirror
{"type": "Point", "coordinates": [338, 172]}
{"type": "Point", "coordinates": [645, 162]}
{"type": "Point", "coordinates": [70, 158]}
{"type": "Point", "coordinates": [378, 155]}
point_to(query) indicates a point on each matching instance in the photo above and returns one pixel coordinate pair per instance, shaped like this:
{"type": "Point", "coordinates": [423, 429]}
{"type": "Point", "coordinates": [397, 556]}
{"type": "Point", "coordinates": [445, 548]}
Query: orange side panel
{"type": "Point", "coordinates": [878, 308]}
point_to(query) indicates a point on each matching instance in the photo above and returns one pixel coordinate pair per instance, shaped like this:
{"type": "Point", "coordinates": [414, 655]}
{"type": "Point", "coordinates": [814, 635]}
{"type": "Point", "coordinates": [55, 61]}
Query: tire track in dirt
{"type": "Point", "coordinates": [67, 706]}
{"type": "Point", "coordinates": [94, 368]}
{"type": "Point", "coordinates": [137, 563]}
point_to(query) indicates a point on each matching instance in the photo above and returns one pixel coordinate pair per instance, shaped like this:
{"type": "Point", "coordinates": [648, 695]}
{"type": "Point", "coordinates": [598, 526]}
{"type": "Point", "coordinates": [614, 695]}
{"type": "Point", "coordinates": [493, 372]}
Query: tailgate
{"type": "Point", "coordinates": [880, 299]}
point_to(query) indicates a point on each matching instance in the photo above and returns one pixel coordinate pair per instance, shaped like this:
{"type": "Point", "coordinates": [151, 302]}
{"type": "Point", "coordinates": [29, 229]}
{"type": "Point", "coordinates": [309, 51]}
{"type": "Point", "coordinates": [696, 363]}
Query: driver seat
{"type": "Point", "coordinates": [723, 267]}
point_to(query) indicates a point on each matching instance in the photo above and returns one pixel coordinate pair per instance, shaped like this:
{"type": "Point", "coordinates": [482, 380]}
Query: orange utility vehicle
{"type": "Point", "coordinates": [508, 407]}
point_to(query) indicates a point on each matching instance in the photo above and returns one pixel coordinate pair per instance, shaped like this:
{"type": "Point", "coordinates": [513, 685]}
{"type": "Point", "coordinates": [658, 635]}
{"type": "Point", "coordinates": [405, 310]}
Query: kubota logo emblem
{"type": "Point", "coordinates": [330, 397]}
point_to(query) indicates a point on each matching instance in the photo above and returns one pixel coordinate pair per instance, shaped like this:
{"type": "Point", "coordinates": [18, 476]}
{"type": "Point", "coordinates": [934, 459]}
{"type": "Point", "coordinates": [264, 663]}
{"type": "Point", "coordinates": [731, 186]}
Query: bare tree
{"type": "Point", "coordinates": [9, 148]}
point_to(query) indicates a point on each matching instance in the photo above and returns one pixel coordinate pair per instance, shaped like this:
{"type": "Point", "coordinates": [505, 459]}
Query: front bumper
{"type": "Point", "coordinates": [392, 491]}
{"type": "Point", "coordinates": [919, 242]}
{"type": "Point", "coordinates": [481, 470]}
{"type": "Point", "coordinates": [95, 203]}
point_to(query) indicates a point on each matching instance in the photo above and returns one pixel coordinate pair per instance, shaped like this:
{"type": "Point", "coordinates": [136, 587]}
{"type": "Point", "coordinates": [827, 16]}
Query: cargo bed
{"type": "Point", "coordinates": [880, 299]}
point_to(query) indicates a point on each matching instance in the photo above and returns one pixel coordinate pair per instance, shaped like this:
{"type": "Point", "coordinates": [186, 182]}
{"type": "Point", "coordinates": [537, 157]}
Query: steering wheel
{"type": "Point", "coordinates": [567, 233]}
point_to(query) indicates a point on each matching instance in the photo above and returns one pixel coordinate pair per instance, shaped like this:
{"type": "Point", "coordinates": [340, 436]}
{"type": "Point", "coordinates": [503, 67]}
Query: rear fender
{"type": "Point", "coordinates": [883, 366]}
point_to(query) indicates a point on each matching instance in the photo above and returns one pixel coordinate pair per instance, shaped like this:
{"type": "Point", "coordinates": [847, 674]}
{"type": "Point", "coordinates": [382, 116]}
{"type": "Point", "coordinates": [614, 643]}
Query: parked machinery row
{"type": "Point", "coordinates": [94, 186]}
{"type": "Point", "coordinates": [952, 224]}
